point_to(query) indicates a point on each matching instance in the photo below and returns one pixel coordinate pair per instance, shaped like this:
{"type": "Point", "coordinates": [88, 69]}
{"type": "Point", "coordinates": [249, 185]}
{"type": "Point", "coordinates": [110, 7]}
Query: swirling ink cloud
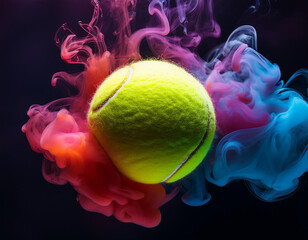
{"type": "Point", "coordinates": [262, 123]}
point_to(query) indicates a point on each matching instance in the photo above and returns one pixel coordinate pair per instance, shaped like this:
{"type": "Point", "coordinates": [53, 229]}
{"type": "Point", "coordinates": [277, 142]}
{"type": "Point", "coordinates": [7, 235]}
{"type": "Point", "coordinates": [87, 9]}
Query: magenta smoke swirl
{"type": "Point", "coordinates": [262, 122]}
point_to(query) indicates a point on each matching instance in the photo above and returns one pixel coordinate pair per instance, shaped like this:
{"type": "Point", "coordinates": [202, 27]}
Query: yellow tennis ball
{"type": "Point", "coordinates": [155, 121]}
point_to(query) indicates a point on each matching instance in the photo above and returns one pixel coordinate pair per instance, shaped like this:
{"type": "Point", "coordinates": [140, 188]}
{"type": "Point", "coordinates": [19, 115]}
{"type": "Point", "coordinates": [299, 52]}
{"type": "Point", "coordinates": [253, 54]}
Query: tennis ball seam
{"type": "Point", "coordinates": [194, 151]}
{"type": "Point", "coordinates": [124, 82]}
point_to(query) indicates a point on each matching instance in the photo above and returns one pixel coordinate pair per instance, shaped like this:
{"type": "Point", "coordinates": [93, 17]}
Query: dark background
{"type": "Point", "coordinates": [31, 208]}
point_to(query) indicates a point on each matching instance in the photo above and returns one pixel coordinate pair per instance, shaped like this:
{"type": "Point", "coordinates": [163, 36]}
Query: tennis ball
{"type": "Point", "coordinates": [155, 121]}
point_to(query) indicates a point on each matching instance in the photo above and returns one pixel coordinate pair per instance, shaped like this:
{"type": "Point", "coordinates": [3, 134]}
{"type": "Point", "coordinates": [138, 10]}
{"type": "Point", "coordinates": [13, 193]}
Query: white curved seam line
{"type": "Point", "coordinates": [185, 160]}
{"type": "Point", "coordinates": [127, 80]}
{"type": "Point", "coordinates": [193, 152]}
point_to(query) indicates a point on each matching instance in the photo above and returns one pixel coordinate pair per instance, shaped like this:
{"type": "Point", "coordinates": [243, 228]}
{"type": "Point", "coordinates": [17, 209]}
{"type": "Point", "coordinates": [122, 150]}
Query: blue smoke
{"type": "Point", "coordinates": [262, 138]}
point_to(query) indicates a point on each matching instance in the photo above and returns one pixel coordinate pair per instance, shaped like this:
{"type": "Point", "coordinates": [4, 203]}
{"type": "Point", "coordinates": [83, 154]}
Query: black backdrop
{"type": "Point", "coordinates": [31, 208]}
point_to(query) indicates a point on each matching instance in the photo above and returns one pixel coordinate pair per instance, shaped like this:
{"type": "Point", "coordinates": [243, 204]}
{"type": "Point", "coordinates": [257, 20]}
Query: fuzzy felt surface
{"type": "Point", "coordinates": [151, 116]}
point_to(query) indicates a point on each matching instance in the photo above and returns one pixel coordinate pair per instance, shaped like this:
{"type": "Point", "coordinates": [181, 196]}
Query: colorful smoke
{"type": "Point", "coordinates": [262, 123]}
